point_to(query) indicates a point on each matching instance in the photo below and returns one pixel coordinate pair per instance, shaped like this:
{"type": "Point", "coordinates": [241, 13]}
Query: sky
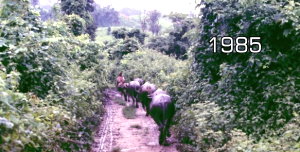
{"type": "Point", "coordinates": [164, 6]}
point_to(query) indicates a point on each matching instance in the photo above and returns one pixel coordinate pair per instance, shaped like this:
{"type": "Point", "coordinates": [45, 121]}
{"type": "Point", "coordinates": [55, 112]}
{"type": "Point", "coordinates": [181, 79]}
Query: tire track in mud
{"type": "Point", "coordinates": [103, 139]}
{"type": "Point", "coordinates": [116, 132]}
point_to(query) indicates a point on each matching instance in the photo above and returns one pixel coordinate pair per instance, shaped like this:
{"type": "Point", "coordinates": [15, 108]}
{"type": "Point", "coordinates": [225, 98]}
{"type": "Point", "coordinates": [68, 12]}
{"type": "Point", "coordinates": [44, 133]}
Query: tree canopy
{"type": "Point", "coordinates": [82, 8]}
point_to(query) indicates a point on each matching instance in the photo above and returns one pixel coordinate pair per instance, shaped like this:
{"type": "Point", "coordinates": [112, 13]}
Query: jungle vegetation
{"type": "Point", "coordinates": [53, 72]}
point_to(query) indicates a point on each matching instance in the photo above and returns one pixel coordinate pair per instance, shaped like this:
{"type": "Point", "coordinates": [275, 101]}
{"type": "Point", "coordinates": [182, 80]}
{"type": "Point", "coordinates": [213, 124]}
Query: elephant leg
{"type": "Point", "coordinates": [125, 96]}
{"type": "Point", "coordinates": [162, 136]}
{"type": "Point", "coordinates": [147, 110]}
{"type": "Point", "coordinates": [168, 127]}
{"type": "Point", "coordinates": [136, 101]}
{"type": "Point", "coordinates": [133, 100]}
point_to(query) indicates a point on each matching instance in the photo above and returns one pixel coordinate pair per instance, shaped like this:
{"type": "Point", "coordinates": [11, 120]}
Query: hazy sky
{"type": "Point", "coordinates": [164, 6]}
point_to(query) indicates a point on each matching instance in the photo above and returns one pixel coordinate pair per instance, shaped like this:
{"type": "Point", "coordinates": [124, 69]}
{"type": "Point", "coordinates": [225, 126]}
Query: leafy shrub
{"type": "Point", "coordinates": [285, 139]}
{"type": "Point", "coordinates": [122, 33]}
{"type": "Point", "coordinates": [104, 35]}
{"type": "Point", "coordinates": [77, 24]}
{"type": "Point", "coordinates": [50, 85]}
{"type": "Point", "coordinates": [204, 126]}
{"type": "Point", "coordinates": [27, 121]}
{"type": "Point", "coordinates": [256, 93]}
{"type": "Point", "coordinates": [177, 42]}
{"type": "Point", "coordinates": [151, 66]}
{"type": "Point", "coordinates": [82, 8]}
{"type": "Point", "coordinates": [270, 98]}
{"type": "Point", "coordinates": [118, 48]}
{"type": "Point", "coordinates": [159, 43]}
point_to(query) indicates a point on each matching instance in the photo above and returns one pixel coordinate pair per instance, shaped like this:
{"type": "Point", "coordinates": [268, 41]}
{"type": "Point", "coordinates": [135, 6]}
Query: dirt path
{"type": "Point", "coordinates": [117, 132]}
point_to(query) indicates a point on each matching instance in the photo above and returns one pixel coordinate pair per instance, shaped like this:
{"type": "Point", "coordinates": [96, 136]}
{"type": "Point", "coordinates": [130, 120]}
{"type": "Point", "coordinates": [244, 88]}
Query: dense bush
{"type": "Point", "coordinates": [256, 93]}
{"type": "Point", "coordinates": [82, 8]}
{"type": "Point", "coordinates": [285, 139]}
{"type": "Point", "coordinates": [118, 48]}
{"type": "Point", "coordinates": [270, 97]}
{"type": "Point", "coordinates": [151, 66]}
{"type": "Point", "coordinates": [177, 42]}
{"type": "Point", "coordinates": [52, 76]}
{"type": "Point", "coordinates": [204, 129]}
{"type": "Point", "coordinates": [50, 83]}
{"type": "Point", "coordinates": [122, 33]}
{"type": "Point", "coordinates": [77, 24]}
{"type": "Point", "coordinates": [27, 121]}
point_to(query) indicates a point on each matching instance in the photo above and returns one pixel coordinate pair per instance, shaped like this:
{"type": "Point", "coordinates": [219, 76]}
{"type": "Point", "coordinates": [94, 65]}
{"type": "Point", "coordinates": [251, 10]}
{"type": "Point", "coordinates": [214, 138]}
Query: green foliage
{"type": "Point", "coordinates": [23, 49]}
{"type": "Point", "coordinates": [232, 75]}
{"type": "Point", "coordinates": [118, 48]}
{"type": "Point", "coordinates": [27, 122]}
{"type": "Point", "coordinates": [151, 66]}
{"type": "Point", "coordinates": [284, 140]}
{"type": "Point", "coordinates": [181, 86]}
{"type": "Point", "coordinates": [78, 7]}
{"type": "Point", "coordinates": [205, 127]}
{"type": "Point", "coordinates": [256, 94]}
{"type": "Point", "coordinates": [52, 76]}
{"type": "Point", "coordinates": [103, 35]}
{"type": "Point", "coordinates": [77, 24]}
{"type": "Point", "coordinates": [159, 43]}
{"type": "Point", "coordinates": [177, 17]}
{"type": "Point", "coordinates": [50, 83]}
{"type": "Point", "coordinates": [122, 33]}
{"type": "Point", "coordinates": [177, 42]}
{"type": "Point", "coordinates": [82, 8]}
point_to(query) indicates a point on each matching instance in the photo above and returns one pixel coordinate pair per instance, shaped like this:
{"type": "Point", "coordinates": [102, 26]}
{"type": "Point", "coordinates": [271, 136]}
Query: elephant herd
{"type": "Point", "coordinates": [156, 102]}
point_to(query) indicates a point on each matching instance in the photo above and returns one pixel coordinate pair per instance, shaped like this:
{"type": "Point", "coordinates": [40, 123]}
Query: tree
{"type": "Point", "coordinates": [143, 21]}
{"type": "Point", "coordinates": [268, 103]}
{"type": "Point", "coordinates": [82, 8]}
{"type": "Point", "coordinates": [177, 18]}
{"type": "Point", "coordinates": [134, 33]}
{"type": "Point", "coordinates": [177, 42]}
{"type": "Point", "coordinates": [106, 16]}
{"type": "Point", "coordinates": [153, 21]}
{"type": "Point", "coordinates": [76, 24]}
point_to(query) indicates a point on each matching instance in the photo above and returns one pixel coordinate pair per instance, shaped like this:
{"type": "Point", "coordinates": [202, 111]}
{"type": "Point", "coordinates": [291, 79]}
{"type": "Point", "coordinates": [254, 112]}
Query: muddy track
{"type": "Point", "coordinates": [117, 132]}
{"type": "Point", "coordinates": [103, 139]}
